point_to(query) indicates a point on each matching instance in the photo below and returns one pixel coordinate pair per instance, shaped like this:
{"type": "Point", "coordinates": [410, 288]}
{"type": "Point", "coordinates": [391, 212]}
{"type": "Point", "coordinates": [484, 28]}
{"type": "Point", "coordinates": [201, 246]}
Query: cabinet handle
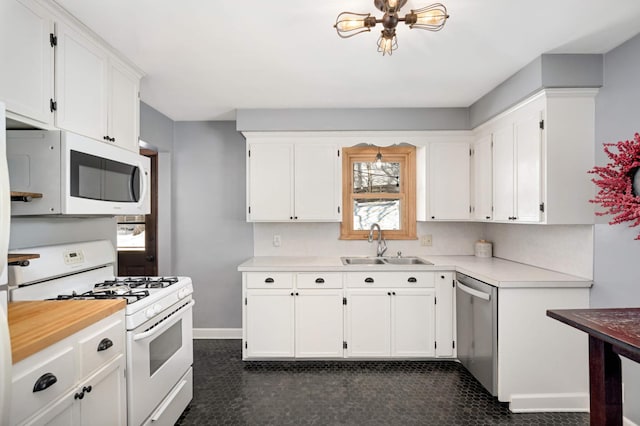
{"type": "Point", "coordinates": [113, 139]}
{"type": "Point", "coordinates": [393, 292]}
{"type": "Point", "coordinates": [433, 217]}
{"type": "Point", "coordinates": [388, 293]}
{"type": "Point", "coordinates": [104, 344]}
{"type": "Point", "coordinates": [292, 293]}
{"type": "Point", "coordinates": [487, 217]}
{"type": "Point", "coordinates": [319, 280]}
{"type": "Point", "coordinates": [412, 280]}
{"type": "Point", "coordinates": [368, 280]}
{"type": "Point", "coordinates": [291, 217]}
{"type": "Point", "coordinates": [78, 395]}
{"type": "Point", "coordinates": [269, 280]}
{"type": "Point", "coordinates": [44, 382]}
{"type": "Point", "coordinates": [295, 217]}
{"type": "Point", "coordinates": [87, 389]}
{"type": "Point", "coordinates": [106, 138]}
{"type": "Point", "coordinates": [297, 294]}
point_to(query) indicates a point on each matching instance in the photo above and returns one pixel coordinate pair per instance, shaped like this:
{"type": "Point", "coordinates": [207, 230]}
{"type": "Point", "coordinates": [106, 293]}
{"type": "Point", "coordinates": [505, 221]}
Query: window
{"type": "Point", "coordinates": [382, 192]}
{"type": "Point", "coordinates": [131, 235]}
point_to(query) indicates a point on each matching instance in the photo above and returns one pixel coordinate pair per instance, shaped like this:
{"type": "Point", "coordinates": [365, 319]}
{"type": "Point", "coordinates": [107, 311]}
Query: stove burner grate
{"type": "Point", "coordinates": [139, 282]}
{"type": "Point", "coordinates": [130, 296]}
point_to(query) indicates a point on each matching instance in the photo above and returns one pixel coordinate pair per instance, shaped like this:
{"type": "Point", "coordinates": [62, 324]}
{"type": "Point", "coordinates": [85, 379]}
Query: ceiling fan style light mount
{"type": "Point", "coordinates": [431, 18]}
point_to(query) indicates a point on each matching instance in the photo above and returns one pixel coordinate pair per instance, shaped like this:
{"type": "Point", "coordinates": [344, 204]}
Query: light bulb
{"type": "Point", "coordinates": [349, 24]}
{"type": "Point", "coordinates": [433, 17]}
{"type": "Point", "coordinates": [387, 43]}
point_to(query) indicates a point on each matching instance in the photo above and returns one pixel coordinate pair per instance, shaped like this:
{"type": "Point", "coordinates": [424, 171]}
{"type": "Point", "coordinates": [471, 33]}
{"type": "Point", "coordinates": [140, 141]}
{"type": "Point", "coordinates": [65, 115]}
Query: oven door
{"type": "Point", "coordinates": [159, 353]}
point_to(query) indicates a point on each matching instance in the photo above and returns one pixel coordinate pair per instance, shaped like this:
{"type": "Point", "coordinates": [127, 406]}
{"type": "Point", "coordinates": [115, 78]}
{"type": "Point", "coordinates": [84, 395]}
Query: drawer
{"type": "Point", "coordinates": [410, 279]}
{"type": "Point", "coordinates": [269, 280]}
{"type": "Point", "coordinates": [101, 346]}
{"type": "Point", "coordinates": [53, 369]}
{"type": "Point", "coordinates": [319, 280]}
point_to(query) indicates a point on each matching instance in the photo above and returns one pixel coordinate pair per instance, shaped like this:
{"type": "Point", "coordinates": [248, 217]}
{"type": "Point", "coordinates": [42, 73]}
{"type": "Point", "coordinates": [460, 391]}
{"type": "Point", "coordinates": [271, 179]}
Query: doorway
{"type": "Point", "coordinates": [137, 235]}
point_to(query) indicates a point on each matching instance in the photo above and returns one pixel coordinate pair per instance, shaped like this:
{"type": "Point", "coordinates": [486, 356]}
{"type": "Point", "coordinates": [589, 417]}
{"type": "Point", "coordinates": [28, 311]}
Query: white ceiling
{"type": "Point", "coordinates": [204, 59]}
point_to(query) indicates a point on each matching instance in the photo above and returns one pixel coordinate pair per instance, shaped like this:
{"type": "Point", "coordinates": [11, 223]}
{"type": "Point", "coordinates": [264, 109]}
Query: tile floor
{"type": "Point", "coordinates": [228, 391]}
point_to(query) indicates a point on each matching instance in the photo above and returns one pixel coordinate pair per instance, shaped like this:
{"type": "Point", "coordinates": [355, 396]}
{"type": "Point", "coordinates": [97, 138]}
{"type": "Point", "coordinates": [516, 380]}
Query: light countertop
{"type": "Point", "coordinates": [495, 271]}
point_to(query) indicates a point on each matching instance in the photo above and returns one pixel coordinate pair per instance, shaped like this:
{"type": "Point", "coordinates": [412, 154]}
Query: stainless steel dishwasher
{"type": "Point", "coordinates": [477, 329]}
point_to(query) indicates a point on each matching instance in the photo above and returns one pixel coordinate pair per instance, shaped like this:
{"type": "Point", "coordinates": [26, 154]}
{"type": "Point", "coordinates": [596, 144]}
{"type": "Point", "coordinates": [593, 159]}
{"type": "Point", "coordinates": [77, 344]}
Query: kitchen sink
{"type": "Point", "coordinates": [384, 261]}
{"type": "Point", "coordinates": [362, 261]}
{"type": "Point", "coordinates": [405, 261]}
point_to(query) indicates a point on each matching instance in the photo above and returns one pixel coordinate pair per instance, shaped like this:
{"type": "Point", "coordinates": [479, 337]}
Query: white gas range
{"type": "Point", "coordinates": [158, 320]}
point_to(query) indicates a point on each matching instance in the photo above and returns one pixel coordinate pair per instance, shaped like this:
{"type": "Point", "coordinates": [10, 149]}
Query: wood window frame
{"type": "Point", "coordinates": [406, 156]}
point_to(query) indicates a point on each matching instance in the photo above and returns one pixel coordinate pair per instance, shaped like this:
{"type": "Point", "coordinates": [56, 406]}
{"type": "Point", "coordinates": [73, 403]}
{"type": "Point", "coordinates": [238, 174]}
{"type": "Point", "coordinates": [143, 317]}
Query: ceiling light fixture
{"type": "Point", "coordinates": [431, 18]}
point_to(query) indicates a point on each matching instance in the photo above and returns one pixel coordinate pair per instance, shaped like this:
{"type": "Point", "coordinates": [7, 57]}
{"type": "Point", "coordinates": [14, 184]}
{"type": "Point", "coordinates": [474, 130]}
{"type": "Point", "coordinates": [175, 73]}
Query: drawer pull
{"type": "Point", "coordinates": [87, 389]}
{"type": "Point", "coordinates": [78, 395]}
{"type": "Point", "coordinates": [269, 281]}
{"type": "Point", "coordinates": [319, 280]}
{"type": "Point", "coordinates": [104, 344]}
{"type": "Point", "coordinates": [368, 280]}
{"type": "Point", "coordinates": [44, 382]}
{"type": "Point", "coordinates": [412, 280]}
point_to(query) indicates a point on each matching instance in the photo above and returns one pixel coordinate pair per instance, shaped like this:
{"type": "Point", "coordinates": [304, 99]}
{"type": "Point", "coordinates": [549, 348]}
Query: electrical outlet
{"type": "Point", "coordinates": [426, 240]}
{"type": "Point", "coordinates": [276, 241]}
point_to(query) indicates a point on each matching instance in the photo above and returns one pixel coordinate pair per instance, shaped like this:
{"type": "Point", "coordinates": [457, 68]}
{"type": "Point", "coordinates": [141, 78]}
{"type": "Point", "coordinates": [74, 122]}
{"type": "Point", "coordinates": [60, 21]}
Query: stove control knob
{"type": "Point", "coordinates": [149, 313]}
{"type": "Point", "coordinates": [182, 293]}
{"type": "Point", "coordinates": [157, 308]}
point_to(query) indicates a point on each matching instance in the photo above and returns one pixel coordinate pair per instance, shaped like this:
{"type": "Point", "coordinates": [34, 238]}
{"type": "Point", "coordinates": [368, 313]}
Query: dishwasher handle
{"type": "Point", "coordinates": [473, 292]}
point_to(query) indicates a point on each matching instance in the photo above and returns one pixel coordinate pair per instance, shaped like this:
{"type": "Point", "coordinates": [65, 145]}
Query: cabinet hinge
{"type": "Point", "coordinates": [245, 301]}
{"type": "Point", "coordinates": [53, 105]}
{"type": "Point", "coordinates": [249, 209]}
{"type": "Point", "coordinates": [53, 40]}
{"type": "Point", "coordinates": [344, 345]}
{"type": "Point", "coordinates": [542, 124]}
{"type": "Point", "coordinates": [249, 153]}
{"type": "Point", "coordinates": [344, 300]}
{"type": "Point", "coordinates": [435, 300]}
{"type": "Point", "coordinates": [453, 344]}
{"type": "Point", "coordinates": [245, 345]}
{"type": "Point", "coordinates": [542, 207]}
{"type": "Point", "coordinates": [470, 209]}
{"type": "Point", "coordinates": [470, 152]}
{"type": "Point", "coordinates": [338, 153]}
{"type": "Point", "coordinates": [453, 283]}
{"type": "Point", "coordinates": [435, 344]}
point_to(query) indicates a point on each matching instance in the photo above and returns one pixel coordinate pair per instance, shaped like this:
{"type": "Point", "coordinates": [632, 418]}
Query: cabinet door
{"type": "Point", "coordinates": [503, 173]}
{"type": "Point", "coordinates": [104, 401]}
{"type": "Point", "coordinates": [319, 327]}
{"type": "Point", "coordinates": [482, 179]}
{"type": "Point", "coordinates": [413, 322]}
{"type": "Point", "coordinates": [317, 183]}
{"type": "Point", "coordinates": [445, 316]}
{"type": "Point", "coordinates": [448, 191]}
{"type": "Point", "coordinates": [63, 412]}
{"type": "Point", "coordinates": [124, 106]}
{"type": "Point", "coordinates": [270, 182]}
{"type": "Point", "coordinates": [26, 73]}
{"type": "Point", "coordinates": [81, 84]}
{"type": "Point", "coordinates": [368, 323]}
{"type": "Point", "coordinates": [528, 136]}
{"type": "Point", "coordinates": [269, 323]}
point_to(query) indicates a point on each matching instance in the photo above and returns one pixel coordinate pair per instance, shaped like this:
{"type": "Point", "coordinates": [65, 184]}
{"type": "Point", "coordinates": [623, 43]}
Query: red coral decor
{"type": "Point", "coordinates": [619, 183]}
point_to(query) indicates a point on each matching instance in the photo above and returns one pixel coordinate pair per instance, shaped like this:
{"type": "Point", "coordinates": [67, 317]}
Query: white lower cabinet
{"type": "Point", "coordinates": [302, 321]}
{"type": "Point", "coordinates": [75, 386]}
{"type": "Point", "coordinates": [378, 315]}
{"type": "Point", "coordinates": [393, 322]}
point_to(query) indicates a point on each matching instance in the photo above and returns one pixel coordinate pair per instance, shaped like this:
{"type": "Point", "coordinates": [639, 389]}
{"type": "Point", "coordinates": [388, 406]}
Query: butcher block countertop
{"type": "Point", "coordinates": [35, 325]}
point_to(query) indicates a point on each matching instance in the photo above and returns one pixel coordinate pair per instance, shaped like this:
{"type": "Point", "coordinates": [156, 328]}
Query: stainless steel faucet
{"type": "Point", "coordinates": [382, 244]}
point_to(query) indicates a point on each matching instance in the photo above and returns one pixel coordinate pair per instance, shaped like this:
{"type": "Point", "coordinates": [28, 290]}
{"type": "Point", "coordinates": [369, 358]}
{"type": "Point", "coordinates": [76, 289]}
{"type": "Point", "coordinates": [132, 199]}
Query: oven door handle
{"type": "Point", "coordinates": [473, 292]}
{"type": "Point", "coordinates": [162, 326]}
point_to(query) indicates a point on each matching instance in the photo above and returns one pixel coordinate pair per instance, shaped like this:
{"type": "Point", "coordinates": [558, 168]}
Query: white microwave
{"type": "Point", "coordinates": [76, 175]}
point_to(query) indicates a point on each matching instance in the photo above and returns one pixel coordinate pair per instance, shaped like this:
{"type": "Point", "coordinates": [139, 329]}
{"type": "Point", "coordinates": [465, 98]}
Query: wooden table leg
{"type": "Point", "coordinates": [605, 383]}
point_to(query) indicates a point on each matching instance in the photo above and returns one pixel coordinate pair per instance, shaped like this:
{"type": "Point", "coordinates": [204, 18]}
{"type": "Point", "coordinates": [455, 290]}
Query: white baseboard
{"type": "Point", "coordinates": [217, 333]}
{"type": "Point", "coordinates": [549, 402]}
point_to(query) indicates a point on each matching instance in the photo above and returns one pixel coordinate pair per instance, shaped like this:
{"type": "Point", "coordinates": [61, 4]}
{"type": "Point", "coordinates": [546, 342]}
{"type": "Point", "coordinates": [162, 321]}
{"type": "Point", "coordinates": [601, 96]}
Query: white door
{"type": "Point", "coordinates": [270, 183]}
{"type": "Point", "coordinates": [449, 194]}
{"type": "Point", "coordinates": [368, 323]}
{"type": "Point", "coordinates": [319, 326]}
{"type": "Point", "coordinates": [81, 84]}
{"type": "Point", "coordinates": [63, 412]}
{"type": "Point", "coordinates": [104, 396]}
{"type": "Point", "coordinates": [503, 173]}
{"type": "Point", "coordinates": [412, 322]}
{"type": "Point", "coordinates": [528, 137]}
{"type": "Point", "coordinates": [317, 183]}
{"type": "Point", "coordinates": [124, 106]}
{"type": "Point", "coordinates": [445, 314]}
{"type": "Point", "coordinates": [270, 323]}
{"type": "Point", "coordinates": [26, 73]}
{"type": "Point", "coordinates": [482, 178]}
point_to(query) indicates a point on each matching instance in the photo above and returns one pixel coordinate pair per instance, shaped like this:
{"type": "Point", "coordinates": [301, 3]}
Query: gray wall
{"type": "Point", "coordinates": [211, 237]}
{"type": "Point", "coordinates": [616, 272]}
{"type": "Point", "coordinates": [40, 231]}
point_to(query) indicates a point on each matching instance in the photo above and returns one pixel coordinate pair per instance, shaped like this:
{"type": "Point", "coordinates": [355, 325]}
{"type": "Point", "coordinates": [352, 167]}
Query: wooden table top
{"type": "Point", "coordinates": [617, 326]}
{"type": "Point", "coordinates": [35, 325]}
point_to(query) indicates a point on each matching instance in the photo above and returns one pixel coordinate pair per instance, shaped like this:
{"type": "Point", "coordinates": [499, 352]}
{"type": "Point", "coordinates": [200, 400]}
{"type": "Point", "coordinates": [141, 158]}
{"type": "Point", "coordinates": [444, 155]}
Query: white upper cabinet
{"type": "Point", "coordinates": [293, 182]}
{"type": "Point", "coordinates": [483, 179]}
{"type": "Point", "coordinates": [96, 94]}
{"type": "Point", "coordinates": [448, 189]}
{"type": "Point", "coordinates": [542, 150]}
{"type": "Point", "coordinates": [81, 84]}
{"type": "Point", "coordinates": [26, 73]}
